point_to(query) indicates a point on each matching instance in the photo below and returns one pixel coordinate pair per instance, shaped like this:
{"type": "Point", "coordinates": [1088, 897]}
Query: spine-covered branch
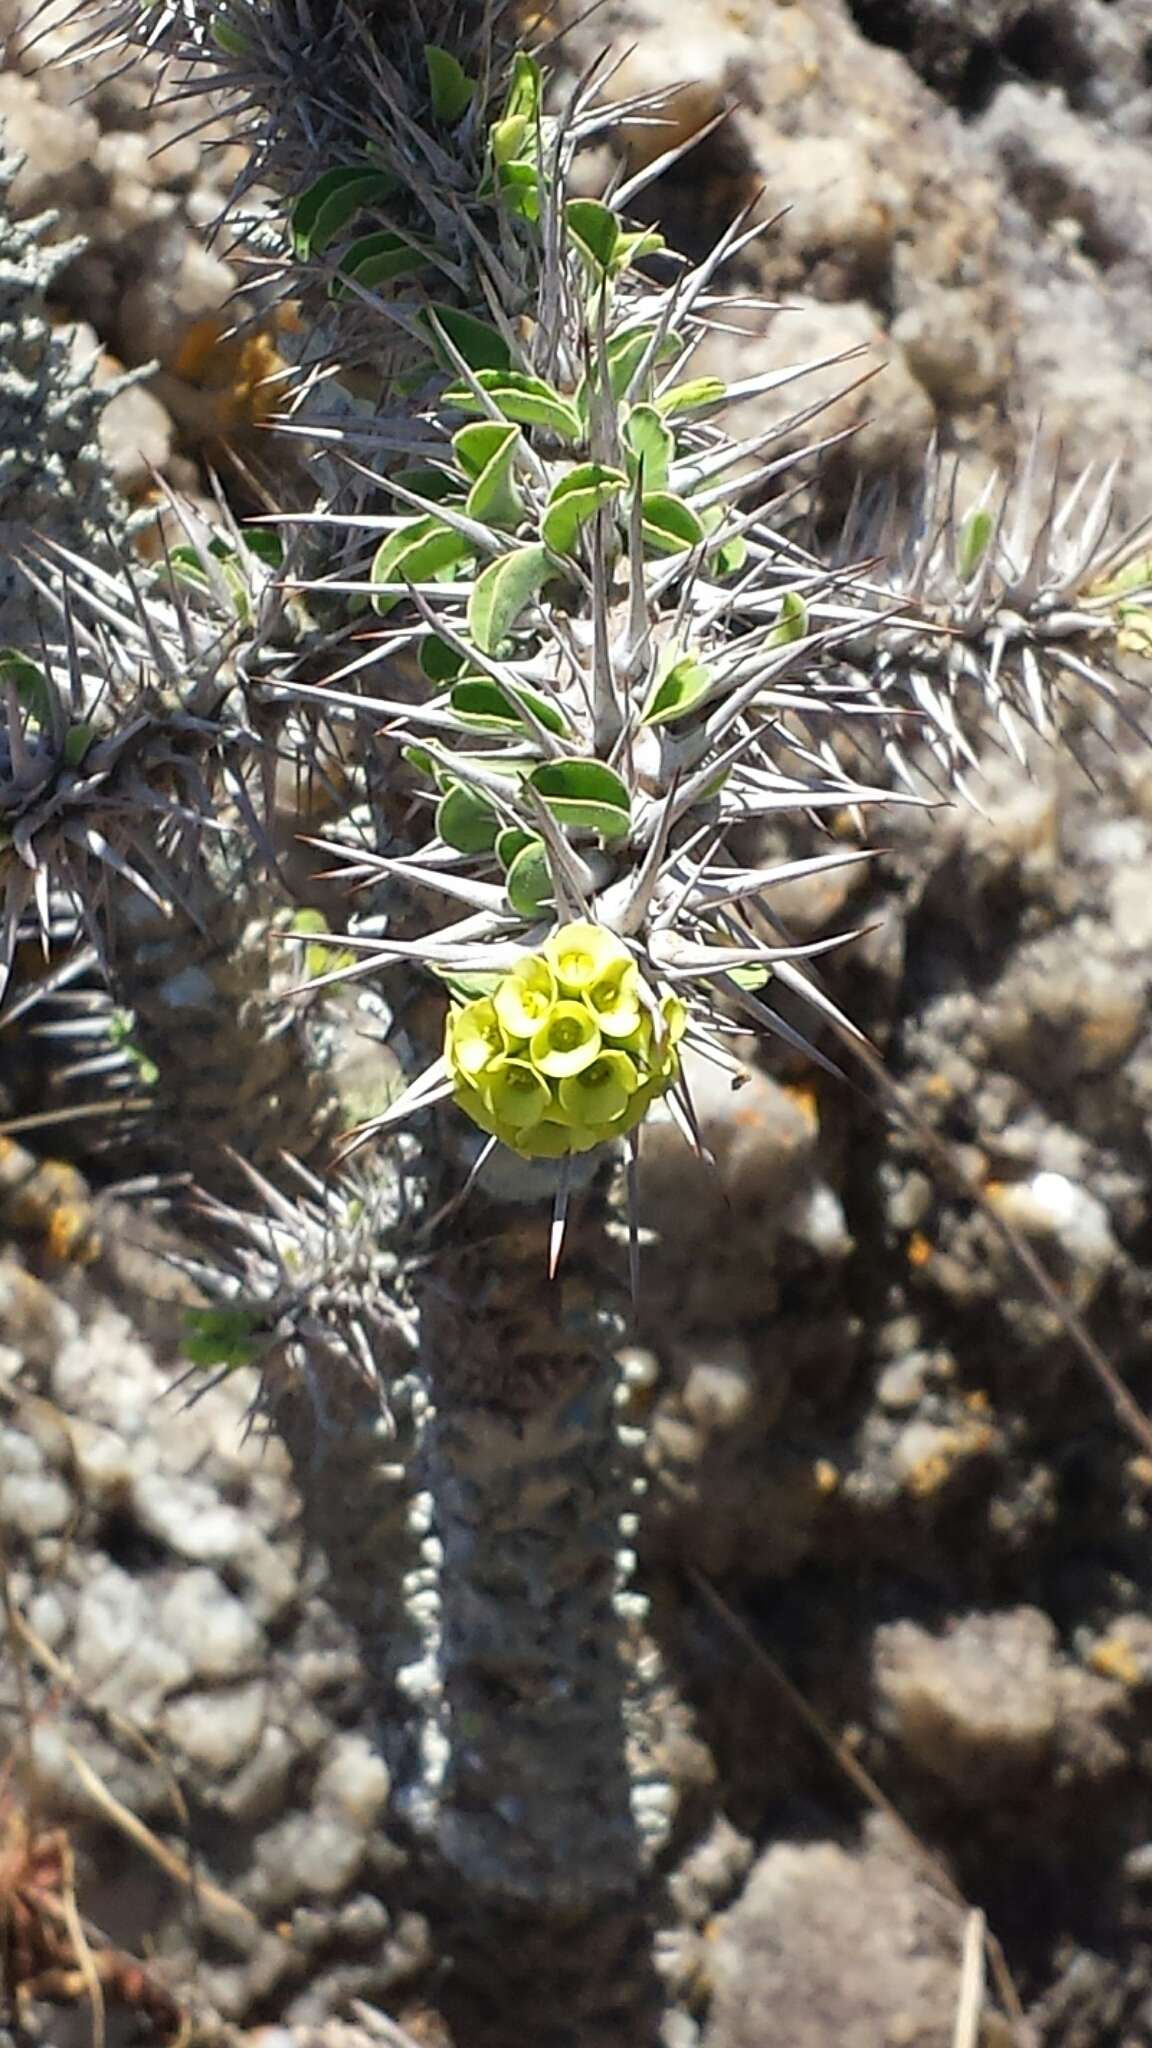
{"type": "Point", "coordinates": [569, 652]}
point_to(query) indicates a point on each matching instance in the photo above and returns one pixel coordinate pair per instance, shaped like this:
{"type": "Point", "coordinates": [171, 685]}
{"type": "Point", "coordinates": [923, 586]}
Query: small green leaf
{"type": "Point", "coordinates": [331, 202]}
{"type": "Point", "coordinates": [466, 820]}
{"type": "Point", "coordinates": [502, 591]}
{"type": "Point", "coordinates": [320, 959]}
{"type": "Point", "coordinates": [490, 707]}
{"type": "Point", "coordinates": [508, 137]}
{"type": "Point", "coordinates": [493, 496]}
{"type": "Point", "coordinates": [574, 500]}
{"type": "Point", "coordinates": [30, 683]}
{"type": "Point", "coordinates": [265, 545]}
{"type": "Point", "coordinates": [529, 881]}
{"type": "Point", "coordinates": [527, 400]}
{"type": "Point", "coordinates": [585, 793]}
{"type": "Point", "coordinates": [468, 986]}
{"type": "Point", "coordinates": [421, 551]}
{"type": "Point", "coordinates": [651, 446]}
{"type": "Point", "coordinates": [77, 741]}
{"type": "Point", "coordinates": [623, 353]}
{"type": "Point", "coordinates": [420, 759]}
{"type": "Point", "coordinates": [229, 38]}
{"type": "Point", "coordinates": [121, 1029]}
{"type": "Point", "coordinates": [374, 259]}
{"type": "Point", "coordinates": [730, 557]}
{"type": "Point", "coordinates": [450, 85]}
{"type": "Point", "coordinates": [680, 683]}
{"type": "Point", "coordinates": [793, 621]}
{"type": "Point", "coordinates": [669, 523]}
{"type": "Point", "coordinates": [640, 242]}
{"type": "Point", "coordinates": [440, 662]}
{"type": "Point", "coordinates": [595, 230]}
{"type": "Point", "coordinates": [512, 841]}
{"type": "Point", "coordinates": [975, 535]}
{"type": "Point", "coordinates": [475, 445]}
{"type": "Point", "coordinates": [435, 486]}
{"type": "Point", "coordinates": [481, 346]}
{"type": "Point", "coordinates": [525, 88]}
{"type": "Point", "coordinates": [689, 397]}
{"type": "Point", "coordinates": [225, 1337]}
{"type": "Point", "coordinates": [519, 186]}
{"type": "Point", "coordinates": [750, 978]}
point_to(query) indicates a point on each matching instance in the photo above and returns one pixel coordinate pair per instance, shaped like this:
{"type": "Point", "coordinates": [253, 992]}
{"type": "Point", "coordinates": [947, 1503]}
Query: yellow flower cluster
{"type": "Point", "coordinates": [565, 1053]}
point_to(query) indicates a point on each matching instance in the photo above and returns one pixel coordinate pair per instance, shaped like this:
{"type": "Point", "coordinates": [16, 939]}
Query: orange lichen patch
{"type": "Point", "coordinates": [977, 1402]}
{"type": "Point", "coordinates": [826, 1476]}
{"type": "Point", "coordinates": [807, 1102]}
{"type": "Point", "coordinates": [70, 1238]}
{"type": "Point", "coordinates": [939, 1087]}
{"type": "Point", "coordinates": [1113, 1657]}
{"type": "Point", "coordinates": [953, 1449]}
{"type": "Point", "coordinates": [919, 1249]}
{"type": "Point", "coordinates": [47, 1201]}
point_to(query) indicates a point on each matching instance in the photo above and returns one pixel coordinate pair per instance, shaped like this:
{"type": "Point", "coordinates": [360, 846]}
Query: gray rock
{"type": "Point", "coordinates": [977, 1706]}
{"type": "Point", "coordinates": [835, 1945]}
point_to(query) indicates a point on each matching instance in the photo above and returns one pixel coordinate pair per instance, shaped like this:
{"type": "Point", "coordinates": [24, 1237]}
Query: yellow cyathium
{"type": "Point", "coordinates": [569, 1050]}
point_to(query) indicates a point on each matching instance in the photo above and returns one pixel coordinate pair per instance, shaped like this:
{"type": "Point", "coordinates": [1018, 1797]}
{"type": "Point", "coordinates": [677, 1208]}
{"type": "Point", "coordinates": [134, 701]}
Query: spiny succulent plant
{"type": "Point", "coordinates": [548, 654]}
{"type": "Point", "coordinates": [52, 469]}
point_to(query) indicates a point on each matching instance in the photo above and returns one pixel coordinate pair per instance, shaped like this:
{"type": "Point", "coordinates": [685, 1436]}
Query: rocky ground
{"type": "Point", "coordinates": [897, 1539]}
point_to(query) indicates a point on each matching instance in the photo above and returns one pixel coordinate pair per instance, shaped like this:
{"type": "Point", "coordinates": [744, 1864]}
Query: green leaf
{"type": "Point", "coordinates": [688, 397]}
{"type": "Point", "coordinates": [975, 535]}
{"type": "Point", "coordinates": [481, 346]}
{"type": "Point", "coordinates": [750, 978]}
{"type": "Point", "coordinates": [793, 621]}
{"type": "Point", "coordinates": [519, 187]}
{"type": "Point", "coordinates": [512, 841]}
{"type": "Point", "coordinates": [225, 1337]}
{"type": "Point", "coordinates": [575, 499]}
{"type": "Point", "coordinates": [421, 551]}
{"type": "Point", "coordinates": [77, 740]}
{"type": "Point", "coordinates": [229, 38]}
{"type": "Point", "coordinates": [594, 229]}
{"type": "Point", "coordinates": [440, 662]}
{"type": "Point", "coordinates": [466, 820]}
{"type": "Point", "coordinates": [331, 202]}
{"type": "Point", "coordinates": [490, 707]}
{"type": "Point", "coordinates": [450, 85]}
{"type": "Point", "coordinates": [623, 353]}
{"type": "Point", "coordinates": [420, 759]}
{"type": "Point", "coordinates": [679, 684]}
{"type": "Point", "coordinates": [529, 881]}
{"type": "Point", "coordinates": [320, 959]}
{"type": "Point", "coordinates": [730, 557]}
{"type": "Point", "coordinates": [669, 524]}
{"type": "Point", "coordinates": [487, 452]}
{"type": "Point", "coordinates": [527, 400]}
{"type": "Point", "coordinates": [640, 242]}
{"type": "Point", "coordinates": [502, 591]}
{"type": "Point", "coordinates": [373, 260]}
{"type": "Point", "coordinates": [265, 545]}
{"type": "Point", "coordinates": [651, 446]}
{"type": "Point", "coordinates": [435, 486]}
{"type": "Point", "coordinates": [508, 137]}
{"type": "Point", "coordinates": [468, 986]}
{"type": "Point", "coordinates": [30, 682]}
{"type": "Point", "coordinates": [585, 793]}
{"type": "Point", "coordinates": [525, 88]}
